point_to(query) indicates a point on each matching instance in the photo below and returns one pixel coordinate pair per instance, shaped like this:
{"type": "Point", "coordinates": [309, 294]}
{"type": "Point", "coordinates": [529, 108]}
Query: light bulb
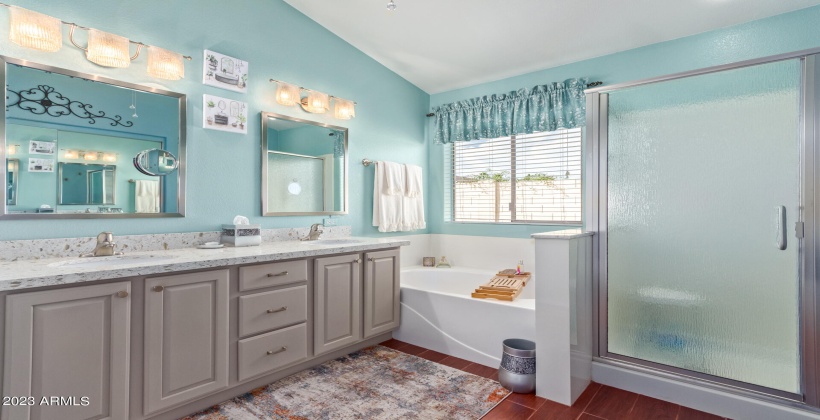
{"type": "Point", "coordinates": [109, 157]}
{"type": "Point", "coordinates": [71, 154]}
{"type": "Point", "coordinates": [90, 156]}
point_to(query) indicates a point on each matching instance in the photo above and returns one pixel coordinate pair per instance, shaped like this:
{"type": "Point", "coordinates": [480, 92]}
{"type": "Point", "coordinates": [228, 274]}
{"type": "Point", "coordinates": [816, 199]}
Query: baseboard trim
{"type": "Point", "coordinates": [701, 398]}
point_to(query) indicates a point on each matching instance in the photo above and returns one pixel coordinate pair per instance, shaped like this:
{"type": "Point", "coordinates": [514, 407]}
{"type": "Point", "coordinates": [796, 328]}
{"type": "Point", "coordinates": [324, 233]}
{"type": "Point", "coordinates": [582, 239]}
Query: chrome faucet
{"type": "Point", "coordinates": [105, 246]}
{"type": "Point", "coordinates": [314, 233]}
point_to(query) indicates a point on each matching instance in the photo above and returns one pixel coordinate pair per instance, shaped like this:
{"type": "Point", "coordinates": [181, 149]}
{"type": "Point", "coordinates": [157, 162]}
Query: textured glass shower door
{"type": "Point", "coordinates": [697, 170]}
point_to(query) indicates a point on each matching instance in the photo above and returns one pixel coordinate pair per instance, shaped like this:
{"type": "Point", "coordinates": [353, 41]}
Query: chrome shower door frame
{"type": "Point", "coordinates": [596, 218]}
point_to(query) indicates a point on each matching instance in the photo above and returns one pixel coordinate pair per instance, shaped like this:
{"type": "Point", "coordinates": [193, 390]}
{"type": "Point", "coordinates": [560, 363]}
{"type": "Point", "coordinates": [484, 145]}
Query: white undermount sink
{"type": "Point", "coordinates": [334, 242]}
{"type": "Point", "coordinates": [112, 260]}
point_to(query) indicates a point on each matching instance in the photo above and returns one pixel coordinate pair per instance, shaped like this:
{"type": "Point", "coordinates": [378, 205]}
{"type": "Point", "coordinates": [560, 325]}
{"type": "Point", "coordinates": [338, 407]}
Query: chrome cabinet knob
{"type": "Point", "coordinates": [122, 294]}
{"type": "Point", "coordinates": [357, 260]}
{"type": "Point", "coordinates": [372, 259]}
{"type": "Point", "coordinates": [158, 288]}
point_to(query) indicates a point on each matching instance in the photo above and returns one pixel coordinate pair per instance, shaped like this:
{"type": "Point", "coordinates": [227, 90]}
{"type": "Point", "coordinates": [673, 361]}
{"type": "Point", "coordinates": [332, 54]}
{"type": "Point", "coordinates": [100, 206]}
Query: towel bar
{"type": "Point", "coordinates": [366, 162]}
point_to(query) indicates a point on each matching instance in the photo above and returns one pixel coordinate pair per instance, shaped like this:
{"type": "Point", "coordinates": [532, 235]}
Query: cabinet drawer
{"type": "Point", "coordinates": [271, 351]}
{"type": "Point", "coordinates": [273, 274]}
{"type": "Point", "coordinates": [271, 310]}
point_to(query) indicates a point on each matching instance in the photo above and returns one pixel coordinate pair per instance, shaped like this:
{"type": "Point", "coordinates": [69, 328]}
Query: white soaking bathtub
{"type": "Point", "coordinates": [438, 313]}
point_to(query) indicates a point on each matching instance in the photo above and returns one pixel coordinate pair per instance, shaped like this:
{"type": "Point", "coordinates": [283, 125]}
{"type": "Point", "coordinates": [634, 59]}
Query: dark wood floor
{"type": "Point", "coordinates": [596, 403]}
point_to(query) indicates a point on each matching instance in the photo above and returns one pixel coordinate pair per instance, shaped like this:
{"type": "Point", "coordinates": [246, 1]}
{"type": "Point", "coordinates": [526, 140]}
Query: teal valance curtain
{"type": "Point", "coordinates": [543, 108]}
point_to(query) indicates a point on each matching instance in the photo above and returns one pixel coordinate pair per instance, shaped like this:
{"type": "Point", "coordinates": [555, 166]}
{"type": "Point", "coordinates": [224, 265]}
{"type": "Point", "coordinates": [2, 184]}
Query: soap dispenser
{"type": "Point", "coordinates": [443, 263]}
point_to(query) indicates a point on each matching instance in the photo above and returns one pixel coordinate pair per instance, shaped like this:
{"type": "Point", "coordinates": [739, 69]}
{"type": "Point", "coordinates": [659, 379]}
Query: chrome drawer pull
{"type": "Point", "coordinates": [284, 273]}
{"type": "Point", "coordinates": [357, 260]}
{"type": "Point", "coordinates": [122, 294]}
{"type": "Point", "coordinates": [158, 288]}
{"type": "Point", "coordinates": [277, 351]}
{"type": "Point", "coordinates": [273, 311]}
{"type": "Point", "coordinates": [372, 259]}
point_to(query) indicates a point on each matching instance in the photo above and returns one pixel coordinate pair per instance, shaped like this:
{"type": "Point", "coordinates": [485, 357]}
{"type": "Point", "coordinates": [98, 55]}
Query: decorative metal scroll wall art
{"type": "Point", "coordinates": [45, 100]}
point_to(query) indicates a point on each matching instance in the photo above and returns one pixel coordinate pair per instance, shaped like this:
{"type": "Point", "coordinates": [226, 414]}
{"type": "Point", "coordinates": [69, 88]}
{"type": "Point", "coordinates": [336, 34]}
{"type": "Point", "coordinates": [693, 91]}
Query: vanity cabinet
{"type": "Point", "coordinates": [70, 342]}
{"type": "Point", "coordinates": [186, 337]}
{"type": "Point", "coordinates": [381, 292]}
{"type": "Point", "coordinates": [337, 320]}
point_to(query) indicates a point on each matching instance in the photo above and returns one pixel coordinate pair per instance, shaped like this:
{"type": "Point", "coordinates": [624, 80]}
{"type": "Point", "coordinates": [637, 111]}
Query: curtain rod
{"type": "Point", "coordinates": [589, 85]}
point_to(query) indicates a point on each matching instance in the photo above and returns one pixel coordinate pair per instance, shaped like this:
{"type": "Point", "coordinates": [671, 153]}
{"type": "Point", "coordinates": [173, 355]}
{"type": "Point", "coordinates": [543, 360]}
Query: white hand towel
{"type": "Point", "coordinates": [414, 181]}
{"type": "Point", "coordinates": [387, 209]}
{"type": "Point", "coordinates": [146, 196]}
{"type": "Point", "coordinates": [393, 174]}
{"type": "Point", "coordinates": [413, 206]}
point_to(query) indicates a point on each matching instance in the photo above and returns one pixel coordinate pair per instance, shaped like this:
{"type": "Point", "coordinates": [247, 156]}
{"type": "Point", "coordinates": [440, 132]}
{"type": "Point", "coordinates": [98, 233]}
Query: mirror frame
{"type": "Point", "coordinates": [264, 151]}
{"type": "Point", "coordinates": [183, 123]}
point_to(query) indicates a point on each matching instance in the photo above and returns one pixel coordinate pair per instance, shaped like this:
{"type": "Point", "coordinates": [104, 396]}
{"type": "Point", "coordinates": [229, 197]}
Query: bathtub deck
{"type": "Point", "coordinates": [596, 403]}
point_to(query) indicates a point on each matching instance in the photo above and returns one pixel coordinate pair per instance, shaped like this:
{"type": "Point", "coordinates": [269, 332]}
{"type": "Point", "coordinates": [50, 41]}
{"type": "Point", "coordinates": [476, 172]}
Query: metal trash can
{"type": "Point", "coordinates": [517, 371]}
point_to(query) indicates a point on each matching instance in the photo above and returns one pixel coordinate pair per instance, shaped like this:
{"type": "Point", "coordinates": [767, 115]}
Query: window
{"type": "Point", "coordinates": [532, 178]}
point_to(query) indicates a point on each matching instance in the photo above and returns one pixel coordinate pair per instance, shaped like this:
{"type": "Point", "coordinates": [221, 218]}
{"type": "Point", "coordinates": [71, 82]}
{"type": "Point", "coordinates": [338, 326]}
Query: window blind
{"type": "Point", "coordinates": [532, 178]}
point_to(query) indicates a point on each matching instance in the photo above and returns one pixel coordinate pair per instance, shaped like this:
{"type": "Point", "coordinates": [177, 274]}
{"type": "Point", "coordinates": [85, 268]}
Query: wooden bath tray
{"type": "Point", "coordinates": [506, 285]}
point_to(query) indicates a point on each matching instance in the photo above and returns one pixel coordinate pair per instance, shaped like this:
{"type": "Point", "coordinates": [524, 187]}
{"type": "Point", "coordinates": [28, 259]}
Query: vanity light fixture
{"type": "Point", "coordinates": [35, 30]}
{"type": "Point", "coordinates": [165, 64]}
{"type": "Point", "coordinates": [41, 32]}
{"type": "Point", "coordinates": [343, 109]}
{"type": "Point", "coordinates": [314, 102]}
{"type": "Point", "coordinates": [287, 94]}
{"type": "Point", "coordinates": [90, 155]}
{"type": "Point", "coordinates": [107, 49]}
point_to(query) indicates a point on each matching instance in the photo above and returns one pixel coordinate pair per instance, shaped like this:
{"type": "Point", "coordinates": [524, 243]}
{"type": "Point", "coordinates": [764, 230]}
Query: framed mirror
{"type": "Point", "coordinates": [75, 138]}
{"type": "Point", "coordinates": [304, 167]}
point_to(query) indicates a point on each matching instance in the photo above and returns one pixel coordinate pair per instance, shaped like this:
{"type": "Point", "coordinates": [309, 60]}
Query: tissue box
{"type": "Point", "coordinates": [241, 235]}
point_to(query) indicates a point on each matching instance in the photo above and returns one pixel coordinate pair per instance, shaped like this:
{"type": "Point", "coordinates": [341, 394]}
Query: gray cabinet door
{"type": "Point", "coordinates": [186, 338]}
{"type": "Point", "coordinates": [337, 320]}
{"type": "Point", "coordinates": [70, 343]}
{"type": "Point", "coordinates": [381, 292]}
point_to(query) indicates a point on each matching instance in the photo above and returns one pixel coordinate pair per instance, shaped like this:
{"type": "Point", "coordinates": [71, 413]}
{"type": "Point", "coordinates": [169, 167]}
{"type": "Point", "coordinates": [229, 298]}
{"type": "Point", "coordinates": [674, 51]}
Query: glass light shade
{"type": "Point", "coordinates": [90, 156]}
{"type": "Point", "coordinates": [109, 157]}
{"type": "Point", "coordinates": [287, 94]}
{"type": "Point", "coordinates": [35, 30]}
{"type": "Point", "coordinates": [12, 149]}
{"type": "Point", "coordinates": [165, 64]}
{"type": "Point", "coordinates": [71, 154]}
{"type": "Point", "coordinates": [344, 109]}
{"type": "Point", "coordinates": [316, 102]}
{"type": "Point", "coordinates": [107, 49]}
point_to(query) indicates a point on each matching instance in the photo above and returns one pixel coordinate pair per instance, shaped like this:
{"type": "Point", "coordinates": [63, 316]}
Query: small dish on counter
{"type": "Point", "coordinates": [210, 245]}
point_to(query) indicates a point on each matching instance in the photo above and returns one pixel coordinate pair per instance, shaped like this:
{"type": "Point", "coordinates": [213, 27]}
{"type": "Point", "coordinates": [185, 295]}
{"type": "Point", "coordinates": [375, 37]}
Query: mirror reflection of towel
{"type": "Point", "coordinates": [146, 196]}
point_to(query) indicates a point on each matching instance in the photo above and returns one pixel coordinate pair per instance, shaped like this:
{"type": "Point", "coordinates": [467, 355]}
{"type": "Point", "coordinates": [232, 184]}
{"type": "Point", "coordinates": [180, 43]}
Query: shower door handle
{"type": "Point", "coordinates": [780, 227]}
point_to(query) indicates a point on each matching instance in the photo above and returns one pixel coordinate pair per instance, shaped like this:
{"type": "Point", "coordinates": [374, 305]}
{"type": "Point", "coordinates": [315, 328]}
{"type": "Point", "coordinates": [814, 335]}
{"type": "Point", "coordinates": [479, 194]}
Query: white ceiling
{"type": "Point", "coordinates": [440, 45]}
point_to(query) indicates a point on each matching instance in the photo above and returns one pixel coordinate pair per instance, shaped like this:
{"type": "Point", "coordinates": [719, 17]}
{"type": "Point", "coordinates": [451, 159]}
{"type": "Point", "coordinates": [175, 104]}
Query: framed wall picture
{"type": "Point", "coordinates": [39, 147]}
{"type": "Point", "coordinates": [40, 165]}
{"type": "Point", "coordinates": [224, 114]}
{"type": "Point", "coordinates": [224, 72]}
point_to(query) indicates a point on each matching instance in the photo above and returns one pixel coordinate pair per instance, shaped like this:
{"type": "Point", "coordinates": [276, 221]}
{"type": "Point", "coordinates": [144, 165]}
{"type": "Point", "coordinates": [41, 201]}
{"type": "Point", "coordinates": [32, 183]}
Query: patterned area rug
{"type": "Point", "coordinates": [374, 383]}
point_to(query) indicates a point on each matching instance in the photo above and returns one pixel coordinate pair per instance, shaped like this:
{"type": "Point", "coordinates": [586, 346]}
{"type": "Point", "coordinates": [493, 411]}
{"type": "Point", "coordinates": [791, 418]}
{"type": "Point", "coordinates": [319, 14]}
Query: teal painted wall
{"type": "Point", "coordinates": [224, 168]}
{"type": "Point", "coordinates": [775, 35]}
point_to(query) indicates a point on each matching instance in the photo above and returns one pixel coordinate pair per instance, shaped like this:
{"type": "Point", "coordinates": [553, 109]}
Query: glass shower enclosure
{"type": "Point", "coordinates": [699, 201]}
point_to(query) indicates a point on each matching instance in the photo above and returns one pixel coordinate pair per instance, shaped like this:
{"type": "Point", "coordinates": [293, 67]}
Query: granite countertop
{"type": "Point", "coordinates": [17, 275]}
